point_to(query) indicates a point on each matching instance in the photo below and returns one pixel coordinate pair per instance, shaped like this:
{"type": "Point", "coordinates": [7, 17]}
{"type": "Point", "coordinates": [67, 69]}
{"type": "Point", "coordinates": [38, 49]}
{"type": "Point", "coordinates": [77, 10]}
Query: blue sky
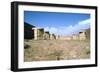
{"type": "Point", "coordinates": [58, 23]}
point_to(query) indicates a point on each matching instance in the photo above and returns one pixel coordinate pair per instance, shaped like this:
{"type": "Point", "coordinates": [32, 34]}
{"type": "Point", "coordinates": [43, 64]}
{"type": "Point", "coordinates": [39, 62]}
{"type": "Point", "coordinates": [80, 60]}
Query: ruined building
{"type": "Point", "coordinates": [88, 34]}
{"type": "Point", "coordinates": [28, 33]}
{"type": "Point", "coordinates": [75, 37]}
{"type": "Point", "coordinates": [38, 33]}
{"type": "Point", "coordinates": [46, 35]}
{"type": "Point", "coordinates": [53, 36]}
{"type": "Point", "coordinates": [85, 35]}
{"type": "Point", "coordinates": [82, 35]}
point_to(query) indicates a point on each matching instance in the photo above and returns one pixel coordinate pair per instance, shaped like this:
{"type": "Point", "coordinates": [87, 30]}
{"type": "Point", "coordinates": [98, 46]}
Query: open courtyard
{"type": "Point", "coordinates": [46, 50]}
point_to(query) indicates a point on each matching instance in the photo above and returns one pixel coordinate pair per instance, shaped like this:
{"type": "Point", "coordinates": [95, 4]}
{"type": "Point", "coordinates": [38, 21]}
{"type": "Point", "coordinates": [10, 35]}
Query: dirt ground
{"type": "Point", "coordinates": [46, 50]}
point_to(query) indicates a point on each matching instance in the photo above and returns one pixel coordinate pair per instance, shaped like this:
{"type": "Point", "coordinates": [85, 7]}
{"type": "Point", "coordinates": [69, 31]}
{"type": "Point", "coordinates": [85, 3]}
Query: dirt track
{"type": "Point", "coordinates": [43, 50]}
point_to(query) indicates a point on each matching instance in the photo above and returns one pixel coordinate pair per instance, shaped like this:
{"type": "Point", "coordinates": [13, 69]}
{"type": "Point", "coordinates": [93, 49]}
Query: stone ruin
{"type": "Point", "coordinates": [31, 32]}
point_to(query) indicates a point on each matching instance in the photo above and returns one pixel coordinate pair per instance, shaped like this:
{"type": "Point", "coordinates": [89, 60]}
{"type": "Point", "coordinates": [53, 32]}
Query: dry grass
{"type": "Point", "coordinates": [46, 50]}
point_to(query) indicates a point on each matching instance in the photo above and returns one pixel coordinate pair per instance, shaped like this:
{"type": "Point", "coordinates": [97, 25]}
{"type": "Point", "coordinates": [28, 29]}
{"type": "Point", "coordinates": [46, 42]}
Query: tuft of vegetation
{"type": "Point", "coordinates": [26, 46]}
{"type": "Point", "coordinates": [88, 51]}
{"type": "Point", "coordinates": [56, 54]}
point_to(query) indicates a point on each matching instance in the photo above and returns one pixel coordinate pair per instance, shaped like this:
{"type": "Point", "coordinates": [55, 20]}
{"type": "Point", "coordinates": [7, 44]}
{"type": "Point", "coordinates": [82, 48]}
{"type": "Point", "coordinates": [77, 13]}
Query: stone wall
{"type": "Point", "coordinates": [28, 33]}
{"type": "Point", "coordinates": [82, 35]}
{"type": "Point", "coordinates": [38, 33]}
{"type": "Point", "coordinates": [46, 35]}
{"type": "Point", "coordinates": [52, 36]}
{"type": "Point", "coordinates": [75, 37]}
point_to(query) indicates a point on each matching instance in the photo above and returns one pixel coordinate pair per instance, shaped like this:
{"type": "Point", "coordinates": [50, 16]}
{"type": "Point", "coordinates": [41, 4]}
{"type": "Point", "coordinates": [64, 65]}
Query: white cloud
{"type": "Point", "coordinates": [51, 29]}
{"type": "Point", "coordinates": [87, 21]}
{"type": "Point", "coordinates": [69, 30]}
